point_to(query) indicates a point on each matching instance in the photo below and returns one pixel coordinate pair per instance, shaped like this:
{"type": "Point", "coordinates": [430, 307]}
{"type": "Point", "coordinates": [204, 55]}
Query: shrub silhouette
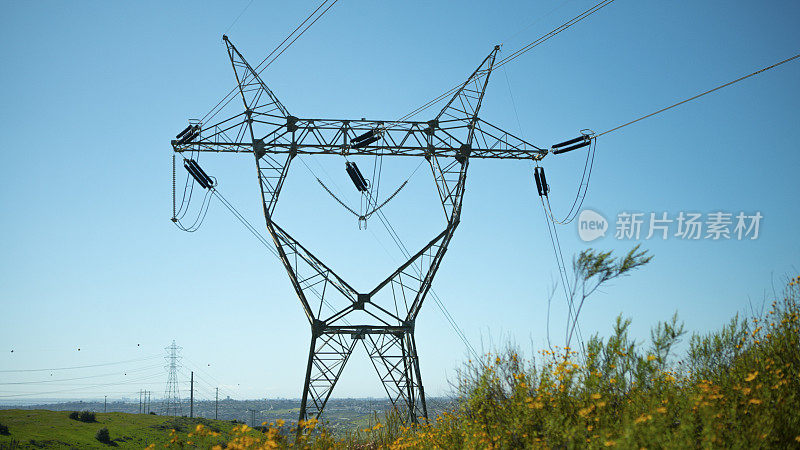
{"type": "Point", "coordinates": [83, 416]}
{"type": "Point", "coordinates": [4, 430]}
{"type": "Point", "coordinates": [103, 435]}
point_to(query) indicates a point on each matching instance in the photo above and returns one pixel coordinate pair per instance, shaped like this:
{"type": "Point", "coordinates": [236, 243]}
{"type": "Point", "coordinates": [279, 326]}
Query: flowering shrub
{"type": "Point", "coordinates": [738, 387]}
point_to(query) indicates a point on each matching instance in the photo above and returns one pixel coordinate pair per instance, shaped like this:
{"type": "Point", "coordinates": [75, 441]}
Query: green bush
{"type": "Point", "coordinates": [738, 387]}
{"type": "Point", "coordinates": [4, 430]}
{"type": "Point", "coordinates": [103, 435]}
{"type": "Point", "coordinates": [83, 416]}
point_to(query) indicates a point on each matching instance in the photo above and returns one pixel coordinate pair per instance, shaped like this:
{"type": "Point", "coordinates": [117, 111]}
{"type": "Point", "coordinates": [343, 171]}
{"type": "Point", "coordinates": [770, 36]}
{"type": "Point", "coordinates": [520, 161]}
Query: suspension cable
{"type": "Point", "coordinates": [562, 269]}
{"type": "Point", "coordinates": [699, 95]}
{"type": "Point", "coordinates": [583, 188]}
{"type": "Point", "coordinates": [371, 199]}
{"type": "Point", "coordinates": [264, 241]}
{"type": "Point", "coordinates": [516, 54]}
{"type": "Point", "coordinates": [217, 108]}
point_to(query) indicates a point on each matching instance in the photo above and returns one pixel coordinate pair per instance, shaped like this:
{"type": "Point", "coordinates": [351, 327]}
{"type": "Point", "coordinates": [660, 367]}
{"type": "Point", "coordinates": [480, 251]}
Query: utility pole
{"type": "Point", "coordinates": [252, 417]}
{"type": "Point", "coordinates": [140, 401]}
{"type": "Point", "coordinates": [105, 402]}
{"type": "Point", "coordinates": [191, 396]}
{"type": "Point", "coordinates": [216, 406]}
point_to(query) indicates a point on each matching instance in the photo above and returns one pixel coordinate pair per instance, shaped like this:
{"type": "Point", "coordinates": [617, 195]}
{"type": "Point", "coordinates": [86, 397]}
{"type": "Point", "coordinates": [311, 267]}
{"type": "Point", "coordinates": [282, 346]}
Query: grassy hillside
{"type": "Point", "coordinates": [54, 429]}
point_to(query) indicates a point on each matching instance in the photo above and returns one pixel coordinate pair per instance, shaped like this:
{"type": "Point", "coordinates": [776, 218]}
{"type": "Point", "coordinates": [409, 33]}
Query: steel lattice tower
{"type": "Point", "coordinates": [266, 131]}
{"type": "Point", "coordinates": [172, 396]}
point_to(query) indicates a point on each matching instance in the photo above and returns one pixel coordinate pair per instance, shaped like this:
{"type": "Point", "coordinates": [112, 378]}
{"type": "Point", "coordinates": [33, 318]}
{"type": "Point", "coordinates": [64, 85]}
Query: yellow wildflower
{"type": "Point", "coordinates": [596, 396]}
{"type": "Point", "coordinates": [662, 410]}
{"type": "Point", "coordinates": [610, 443]}
{"type": "Point", "coordinates": [751, 376]}
{"type": "Point", "coordinates": [755, 401]}
{"type": "Point", "coordinates": [651, 358]}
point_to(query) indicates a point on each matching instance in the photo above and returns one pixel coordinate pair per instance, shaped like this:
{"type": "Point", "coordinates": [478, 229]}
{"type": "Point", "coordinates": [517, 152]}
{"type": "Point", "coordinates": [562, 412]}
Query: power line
{"type": "Point", "coordinates": [298, 36]}
{"type": "Point", "coordinates": [79, 367]}
{"type": "Point", "coordinates": [583, 188]}
{"type": "Point", "coordinates": [264, 241]}
{"type": "Point", "coordinates": [237, 17]}
{"type": "Point", "coordinates": [516, 54]}
{"type": "Point", "coordinates": [149, 377]}
{"type": "Point", "coordinates": [699, 95]}
{"type": "Point", "coordinates": [554, 32]}
{"type": "Point", "coordinates": [81, 378]}
{"type": "Point", "coordinates": [230, 95]}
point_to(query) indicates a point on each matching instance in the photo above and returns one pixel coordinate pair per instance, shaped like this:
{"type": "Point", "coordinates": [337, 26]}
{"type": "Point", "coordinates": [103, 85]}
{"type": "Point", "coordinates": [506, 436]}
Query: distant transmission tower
{"type": "Point", "coordinates": [172, 397]}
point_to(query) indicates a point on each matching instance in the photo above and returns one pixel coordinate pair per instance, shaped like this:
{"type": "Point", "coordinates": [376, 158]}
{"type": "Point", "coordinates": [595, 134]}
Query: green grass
{"type": "Point", "coordinates": [54, 429]}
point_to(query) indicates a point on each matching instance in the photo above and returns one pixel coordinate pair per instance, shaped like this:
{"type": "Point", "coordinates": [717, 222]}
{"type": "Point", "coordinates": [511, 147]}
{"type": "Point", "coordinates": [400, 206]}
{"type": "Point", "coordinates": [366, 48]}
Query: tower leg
{"type": "Point", "coordinates": [329, 352]}
{"type": "Point", "coordinates": [394, 357]}
{"type": "Point", "coordinates": [415, 361]}
{"type": "Point", "coordinates": [304, 401]}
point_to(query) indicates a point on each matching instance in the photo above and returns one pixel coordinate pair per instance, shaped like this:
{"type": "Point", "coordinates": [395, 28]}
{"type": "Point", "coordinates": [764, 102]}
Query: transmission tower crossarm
{"type": "Point", "coordinates": [335, 137]}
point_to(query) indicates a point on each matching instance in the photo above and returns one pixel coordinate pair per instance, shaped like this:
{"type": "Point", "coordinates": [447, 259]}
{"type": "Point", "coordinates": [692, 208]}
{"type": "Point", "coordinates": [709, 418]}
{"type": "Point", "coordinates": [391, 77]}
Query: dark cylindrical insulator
{"type": "Point", "coordinates": [366, 135]}
{"type": "Point", "coordinates": [545, 186]}
{"type": "Point", "coordinates": [361, 179]}
{"type": "Point", "coordinates": [366, 142]}
{"type": "Point", "coordinates": [193, 172]}
{"type": "Point", "coordinates": [201, 172]}
{"type": "Point", "coordinates": [571, 141]}
{"type": "Point", "coordinates": [358, 180]}
{"type": "Point", "coordinates": [353, 176]}
{"type": "Point", "coordinates": [188, 137]}
{"type": "Point", "coordinates": [183, 132]}
{"type": "Point", "coordinates": [569, 149]}
{"type": "Point", "coordinates": [538, 181]}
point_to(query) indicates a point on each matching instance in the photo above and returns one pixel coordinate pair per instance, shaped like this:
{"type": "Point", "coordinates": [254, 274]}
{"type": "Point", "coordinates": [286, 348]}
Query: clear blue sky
{"type": "Point", "coordinates": [93, 92]}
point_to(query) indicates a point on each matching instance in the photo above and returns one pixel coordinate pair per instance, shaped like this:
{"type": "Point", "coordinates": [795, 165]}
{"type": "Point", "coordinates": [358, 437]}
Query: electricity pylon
{"type": "Point", "coordinates": [172, 396]}
{"type": "Point", "coordinates": [266, 130]}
